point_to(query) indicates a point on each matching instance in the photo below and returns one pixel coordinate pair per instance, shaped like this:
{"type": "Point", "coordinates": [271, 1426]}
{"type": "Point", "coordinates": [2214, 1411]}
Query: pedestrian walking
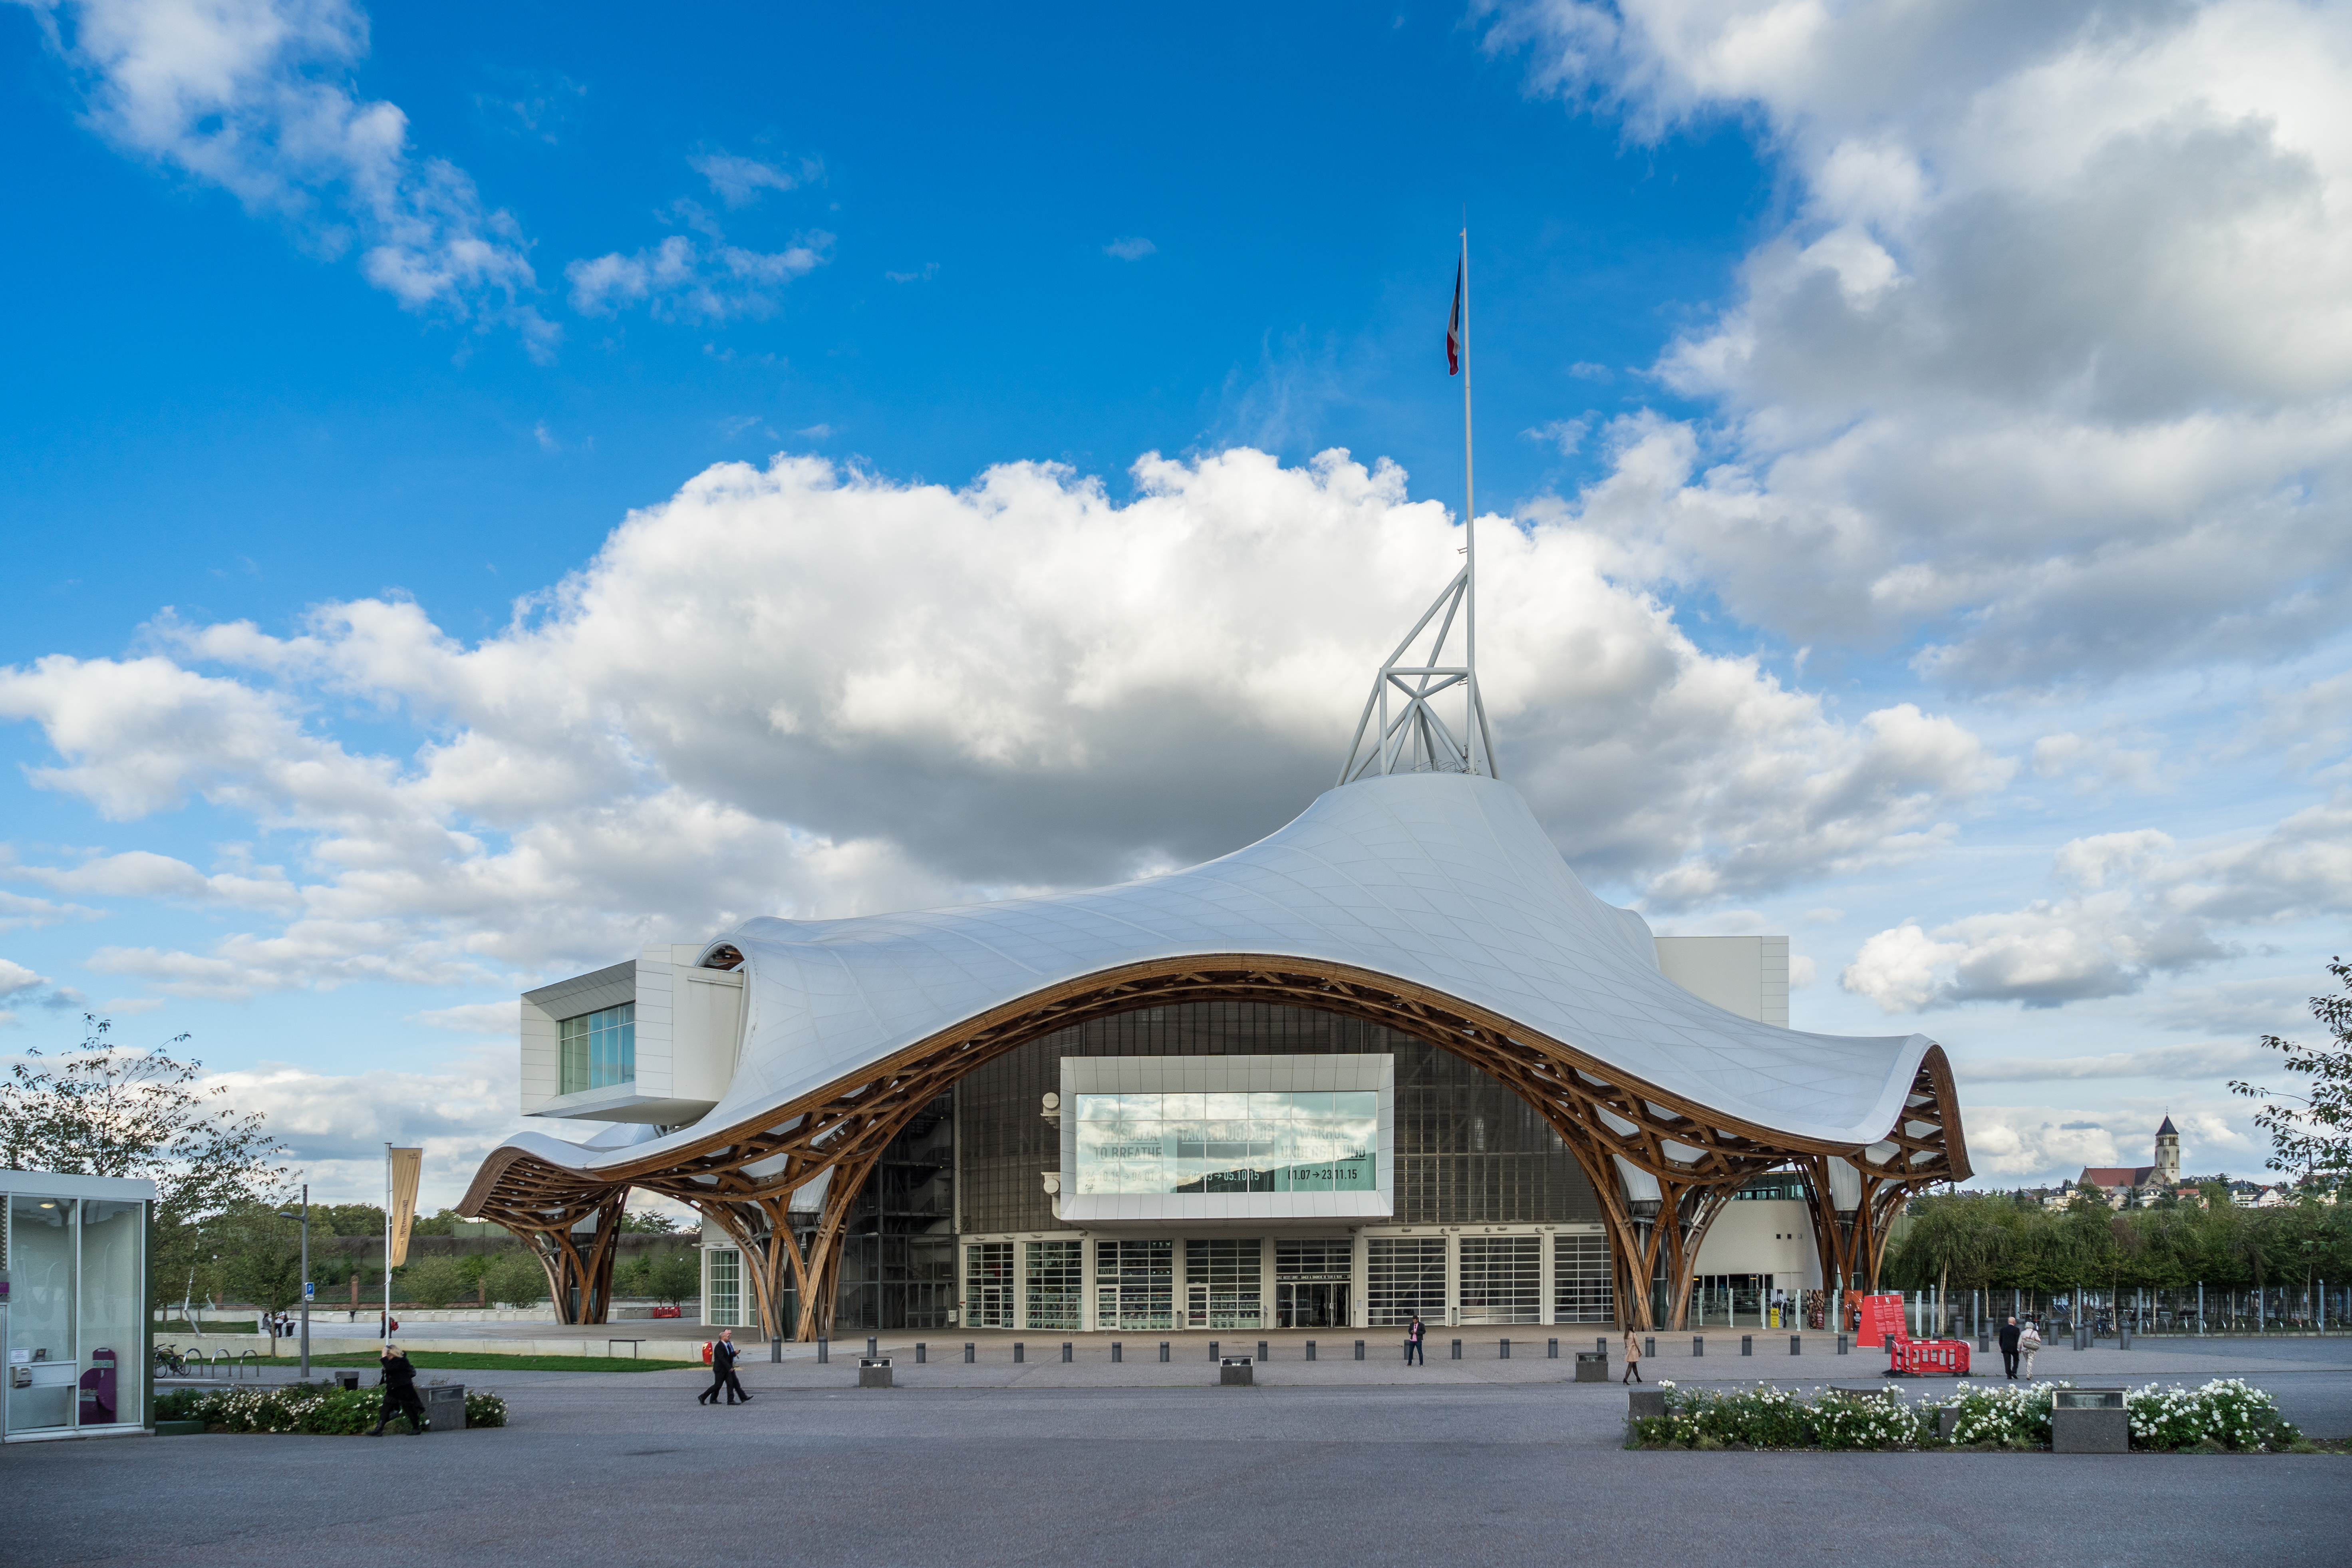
{"type": "Point", "coordinates": [2029, 1340]}
{"type": "Point", "coordinates": [723, 1356]}
{"type": "Point", "coordinates": [399, 1394]}
{"type": "Point", "coordinates": [2008, 1343]}
{"type": "Point", "coordinates": [1413, 1332]}
{"type": "Point", "coordinates": [1633, 1358]}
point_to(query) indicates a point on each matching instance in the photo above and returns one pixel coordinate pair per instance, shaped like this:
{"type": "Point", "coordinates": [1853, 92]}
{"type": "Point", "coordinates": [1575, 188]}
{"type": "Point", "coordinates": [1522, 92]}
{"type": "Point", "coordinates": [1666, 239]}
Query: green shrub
{"type": "Point", "coordinates": [485, 1410]}
{"type": "Point", "coordinates": [433, 1282]}
{"type": "Point", "coordinates": [2227, 1413]}
{"type": "Point", "coordinates": [322, 1409]}
{"type": "Point", "coordinates": [516, 1280]}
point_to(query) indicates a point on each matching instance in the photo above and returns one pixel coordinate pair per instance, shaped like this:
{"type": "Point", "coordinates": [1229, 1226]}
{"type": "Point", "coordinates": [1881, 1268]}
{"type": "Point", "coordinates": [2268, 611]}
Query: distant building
{"type": "Point", "coordinates": [2130, 1186]}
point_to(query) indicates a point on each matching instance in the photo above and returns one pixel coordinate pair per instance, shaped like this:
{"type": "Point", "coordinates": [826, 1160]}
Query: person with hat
{"type": "Point", "coordinates": [399, 1393]}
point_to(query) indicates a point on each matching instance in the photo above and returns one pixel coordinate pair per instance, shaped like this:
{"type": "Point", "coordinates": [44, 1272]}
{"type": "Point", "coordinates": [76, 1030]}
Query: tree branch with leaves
{"type": "Point", "coordinates": [2312, 1132]}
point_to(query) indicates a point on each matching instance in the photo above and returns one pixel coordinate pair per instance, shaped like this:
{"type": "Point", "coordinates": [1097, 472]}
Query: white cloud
{"type": "Point", "coordinates": [2050, 368]}
{"type": "Point", "coordinates": [2135, 907]}
{"type": "Point", "coordinates": [685, 282]}
{"type": "Point", "coordinates": [501, 1018]}
{"type": "Point", "coordinates": [140, 873]}
{"type": "Point", "coordinates": [254, 96]}
{"type": "Point", "coordinates": [1135, 247]}
{"type": "Point", "coordinates": [2039, 1145]}
{"type": "Point", "coordinates": [739, 181]}
{"type": "Point", "coordinates": [897, 695]}
{"type": "Point", "coordinates": [2200, 1061]}
{"type": "Point", "coordinates": [16, 977]}
{"type": "Point", "coordinates": [17, 911]}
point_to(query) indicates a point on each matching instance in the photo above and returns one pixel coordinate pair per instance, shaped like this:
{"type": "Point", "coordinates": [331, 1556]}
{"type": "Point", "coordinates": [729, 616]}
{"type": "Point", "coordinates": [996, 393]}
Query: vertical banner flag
{"type": "Point", "coordinates": [406, 1165]}
{"type": "Point", "coordinates": [1453, 328]}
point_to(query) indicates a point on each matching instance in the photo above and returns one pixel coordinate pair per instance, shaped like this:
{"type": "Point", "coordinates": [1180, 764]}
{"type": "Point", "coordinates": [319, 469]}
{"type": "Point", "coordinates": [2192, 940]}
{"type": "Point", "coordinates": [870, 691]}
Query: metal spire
{"type": "Point", "coordinates": [1414, 736]}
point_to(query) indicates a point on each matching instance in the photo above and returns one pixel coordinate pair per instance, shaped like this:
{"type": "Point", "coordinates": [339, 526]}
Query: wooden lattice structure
{"type": "Point", "coordinates": [745, 1177]}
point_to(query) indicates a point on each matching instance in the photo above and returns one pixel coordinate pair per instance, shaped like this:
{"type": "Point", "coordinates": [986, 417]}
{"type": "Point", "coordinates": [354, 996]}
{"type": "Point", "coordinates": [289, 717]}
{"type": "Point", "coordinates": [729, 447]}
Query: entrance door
{"type": "Point", "coordinates": [1311, 1304]}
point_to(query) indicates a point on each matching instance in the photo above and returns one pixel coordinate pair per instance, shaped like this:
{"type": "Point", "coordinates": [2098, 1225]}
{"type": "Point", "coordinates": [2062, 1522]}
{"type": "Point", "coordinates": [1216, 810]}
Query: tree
{"type": "Point", "coordinates": [260, 1256]}
{"type": "Point", "coordinates": [104, 1111]}
{"type": "Point", "coordinates": [648, 1223]}
{"type": "Point", "coordinates": [433, 1282]}
{"type": "Point", "coordinates": [516, 1280]}
{"type": "Point", "coordinates": [2312, 1132]}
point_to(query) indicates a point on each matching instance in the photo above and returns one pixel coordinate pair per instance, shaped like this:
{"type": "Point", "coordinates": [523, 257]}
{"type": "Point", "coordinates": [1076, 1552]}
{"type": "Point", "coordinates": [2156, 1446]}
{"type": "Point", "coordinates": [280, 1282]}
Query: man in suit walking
{"type": "Point", "coordinates": [2009, 1338]}
{"type": "Point", "coordinates": [723, 1356]}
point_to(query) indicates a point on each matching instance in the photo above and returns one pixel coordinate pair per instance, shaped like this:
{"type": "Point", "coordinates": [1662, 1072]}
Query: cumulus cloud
{"type": "Point", "coordinates": [254, 96]}
{"type": "Point", "coordinates": [17, 911]}
{"type": "Point", "coordinates": [1135, 247]}
{"type": "Point", "coordinates": [805, 689]}
{"type": "Point", "coordinates": [2200, 1061]}
{"type": "Point", "coordinates": [2037, 1144]}
{"type": "Point", "coordinates": [2049, 371]}
{"type": "Point", "coordinates": [24, 987]}
{"type": "Point", "coordinates": [2136, 906]}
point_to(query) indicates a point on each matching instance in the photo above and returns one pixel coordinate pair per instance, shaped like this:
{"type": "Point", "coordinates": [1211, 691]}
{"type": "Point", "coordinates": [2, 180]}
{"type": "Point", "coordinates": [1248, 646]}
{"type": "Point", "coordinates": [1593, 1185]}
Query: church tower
{"type": "Point", "coordinates": [2168, 1155]}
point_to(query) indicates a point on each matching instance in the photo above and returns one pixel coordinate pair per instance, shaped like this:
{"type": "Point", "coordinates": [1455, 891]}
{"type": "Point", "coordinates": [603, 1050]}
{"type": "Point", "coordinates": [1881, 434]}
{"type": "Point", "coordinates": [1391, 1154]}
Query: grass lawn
{"type": "Point", "coordinates": [458, 1361]}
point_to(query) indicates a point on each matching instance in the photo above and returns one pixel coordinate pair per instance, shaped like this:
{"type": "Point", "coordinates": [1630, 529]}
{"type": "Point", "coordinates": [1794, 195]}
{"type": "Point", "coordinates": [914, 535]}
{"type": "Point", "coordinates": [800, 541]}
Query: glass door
{"type": "Point", "coordinates": [42, 1369]}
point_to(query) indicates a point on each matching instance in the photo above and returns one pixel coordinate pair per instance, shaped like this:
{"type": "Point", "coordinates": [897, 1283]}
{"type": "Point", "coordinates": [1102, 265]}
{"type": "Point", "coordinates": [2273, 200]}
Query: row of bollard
{"type": "Point", "coordinates": [1551, 1348]}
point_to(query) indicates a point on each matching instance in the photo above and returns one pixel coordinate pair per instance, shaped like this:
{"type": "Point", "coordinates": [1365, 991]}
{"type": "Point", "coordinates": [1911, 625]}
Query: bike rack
{"type": "Point", "coordinates": [252, 1357]}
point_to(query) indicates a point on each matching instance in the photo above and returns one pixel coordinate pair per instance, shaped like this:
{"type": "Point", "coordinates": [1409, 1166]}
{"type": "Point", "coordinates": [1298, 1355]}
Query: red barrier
{"type": "Point", "coordinates": [1930, 1358]}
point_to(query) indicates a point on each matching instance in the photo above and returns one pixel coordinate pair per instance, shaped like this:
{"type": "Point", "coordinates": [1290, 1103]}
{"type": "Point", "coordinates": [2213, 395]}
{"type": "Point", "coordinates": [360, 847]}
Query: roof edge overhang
{"type": "Point", "coordinates": [530, 1167]}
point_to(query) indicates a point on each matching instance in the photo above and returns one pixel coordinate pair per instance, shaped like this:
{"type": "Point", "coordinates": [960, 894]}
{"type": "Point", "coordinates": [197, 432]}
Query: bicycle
{"type": "Point", "coordinates": [169, 1363]}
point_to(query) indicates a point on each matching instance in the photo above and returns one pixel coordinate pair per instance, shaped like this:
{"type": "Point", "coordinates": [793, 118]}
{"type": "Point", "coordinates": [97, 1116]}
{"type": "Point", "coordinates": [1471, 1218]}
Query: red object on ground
{"type": "Point", "coordinates": [1882, 1315]}
{"type": "Point", "coordinates": [706, 1353]}
{"type": "Point", "coordinates": [665, 1312]}
{"type": "Point", "coordinates": [1930, 1358]}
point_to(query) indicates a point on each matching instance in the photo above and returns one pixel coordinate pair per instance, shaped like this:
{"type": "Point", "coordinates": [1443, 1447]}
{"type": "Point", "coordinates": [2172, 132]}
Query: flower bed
{"type": "Point", "coordinates": [2226, 1414]}
{"type": "Point", "coordinates": [322, 1410]}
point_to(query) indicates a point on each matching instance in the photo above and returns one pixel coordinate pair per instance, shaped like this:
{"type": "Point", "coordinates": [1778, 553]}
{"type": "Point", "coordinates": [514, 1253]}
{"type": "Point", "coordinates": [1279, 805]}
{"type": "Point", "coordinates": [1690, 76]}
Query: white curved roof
{"type": "Point", "coordinates": [1443, 879]}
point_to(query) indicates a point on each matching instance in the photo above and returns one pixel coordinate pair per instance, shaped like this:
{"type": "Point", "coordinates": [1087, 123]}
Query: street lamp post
{"type": "Point", "coordinates": [306, 1279]}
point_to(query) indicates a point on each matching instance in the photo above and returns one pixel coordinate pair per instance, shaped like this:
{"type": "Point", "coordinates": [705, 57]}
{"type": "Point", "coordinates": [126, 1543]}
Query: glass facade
{"type": "Point", "coordinates": [76, 1272]}
{"type": "Point", "coordinates": [599, 1050]}
{"type": "Point", "coordinates": [1053, 1274]}
{"type": "Point", "coordinates": [1468, 1151]}
{"type": "Point", "coordinates": [1135, 1284]}
{"type": "Point", "coordinates": [1223, 1286]}
{"type": "Point", "coordinates": [988, 1285]}
{"type": "Point", "coordinates": [1502, 1278]}
{"type": "Point", "coordinates": [1583, 1281]}
{"type": "Point", "coordinates": [1282, 1142]}
{"type": "Point", "coordinates": [1404, 1275]}
{"type": "Point", "coordinates": [726, 1303]}
{"type": "Point", "coordinates": [899, 1252]}
{"type": "Point", "coordinates": [1311, 1281]}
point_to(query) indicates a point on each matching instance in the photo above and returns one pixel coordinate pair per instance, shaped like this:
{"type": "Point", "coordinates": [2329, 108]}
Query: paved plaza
{"type": "Point", "coordinates": [1482, 1460]}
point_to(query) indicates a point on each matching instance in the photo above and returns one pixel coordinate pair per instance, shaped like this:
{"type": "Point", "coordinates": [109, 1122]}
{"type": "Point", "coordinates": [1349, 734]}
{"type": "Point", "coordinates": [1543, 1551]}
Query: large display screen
{"type": "Point", "coordinates": [1286, 1141]}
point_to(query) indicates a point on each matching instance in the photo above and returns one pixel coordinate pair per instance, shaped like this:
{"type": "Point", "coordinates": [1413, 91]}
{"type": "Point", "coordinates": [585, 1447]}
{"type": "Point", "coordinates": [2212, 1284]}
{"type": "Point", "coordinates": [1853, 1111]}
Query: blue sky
{"type": "Point", "coordinates": [485, 490]}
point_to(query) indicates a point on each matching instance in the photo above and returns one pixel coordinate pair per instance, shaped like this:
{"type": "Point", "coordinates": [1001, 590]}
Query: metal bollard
{"type": "Point", "coordinates": [2123, 1336]}
{"type": "Point", "coordinates": [1163, 1349]}
{"type": "Point", "coordinates": [1118, 1351]}
{"type": "Point", "coordinates": [1507, 1351]}
{"type": "Point", "coordinates": [1747, 1344]}
{"type": "Point", "coordinates": [1649, 1344]}
{"type": "Point", "coordinates": [1261, 1351]}
{"type": "Point", "coordinates": [1310, 1350]}
{"type": "Point", "coordinates": [1066, 1350]}
{"type": "Point", "coordinates": [1458, 1350]}
{"type": "Point", "coordinates": [823, 1350]}
{"type": "Point", "coordinates": [1699, 1345]}
{"type": "Point", "coordinates": [873, 1346]}
{"type": "Point", "coordinates": [1020, 1353]}
{"type": "Point", "coordinates": [921, 1352]}
{"type": "Point", "coordinates": [1214, 1353]}
{"type": "Point", "coordinates": [1359, 1349]}
{"type": "Point", "coordinates": [776, 1347]}
{"type": "Point", "coordinates": [1796, 1344]}
{"type": "Point", "coordinates": [1553, 1352]}
{"type": "Point", "coordinates": [1842, 1347]}
{"type": "Point", "coordinates": [970, 1349]}
{"type": "Point", "coordinates": [1600, 1346]}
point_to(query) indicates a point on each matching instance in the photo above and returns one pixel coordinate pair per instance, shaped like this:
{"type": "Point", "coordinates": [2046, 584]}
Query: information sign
{"type": "Point", "coordinates": [1882, 1315]}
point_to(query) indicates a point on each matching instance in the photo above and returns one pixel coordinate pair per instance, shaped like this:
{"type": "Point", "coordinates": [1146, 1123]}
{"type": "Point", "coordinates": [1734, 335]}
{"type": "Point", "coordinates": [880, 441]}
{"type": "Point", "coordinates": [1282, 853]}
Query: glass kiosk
{"type": "Point", "coordinates": [75, 1252]}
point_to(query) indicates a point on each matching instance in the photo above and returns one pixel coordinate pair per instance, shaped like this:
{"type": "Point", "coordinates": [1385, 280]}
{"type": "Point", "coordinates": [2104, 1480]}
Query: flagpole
{"type": "Point", "coordinates": [1469, 490]}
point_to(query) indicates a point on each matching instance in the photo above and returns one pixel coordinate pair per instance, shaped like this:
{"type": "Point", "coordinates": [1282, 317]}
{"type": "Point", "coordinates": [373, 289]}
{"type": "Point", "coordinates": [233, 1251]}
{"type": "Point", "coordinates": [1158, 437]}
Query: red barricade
{"type": "Point", "coordinates": [1930, 1358]}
